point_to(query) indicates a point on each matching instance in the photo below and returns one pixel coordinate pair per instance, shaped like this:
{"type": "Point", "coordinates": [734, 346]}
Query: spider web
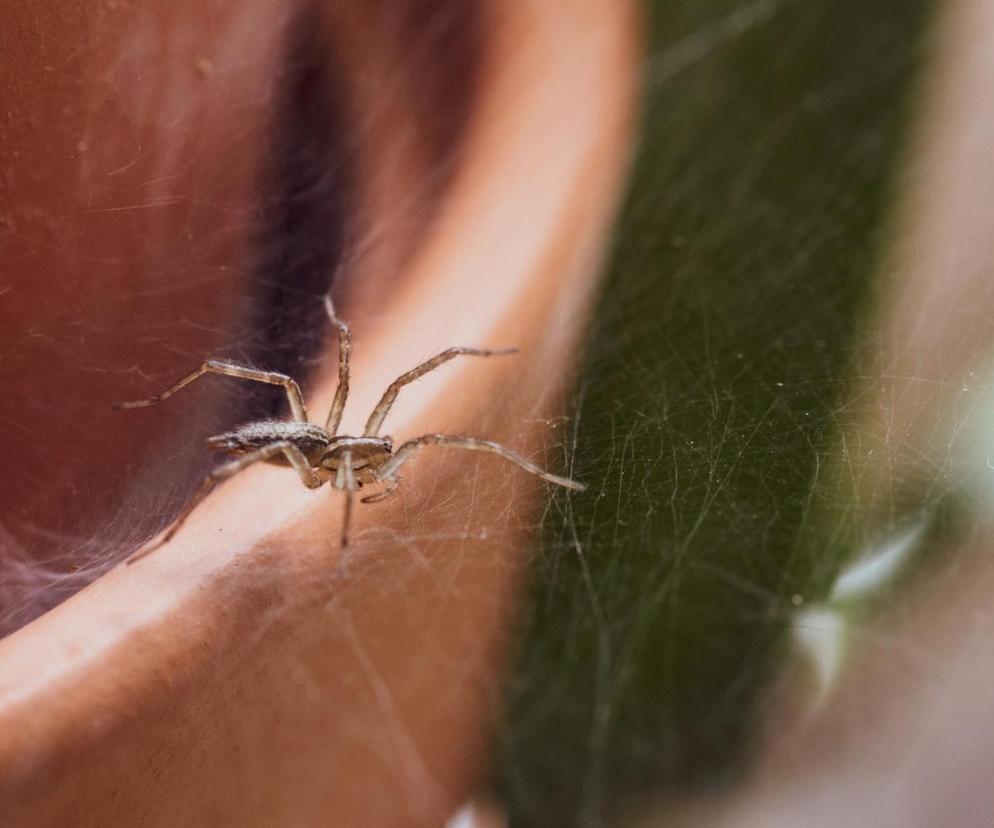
{"type": "Point", "coordinates": [711, 410]}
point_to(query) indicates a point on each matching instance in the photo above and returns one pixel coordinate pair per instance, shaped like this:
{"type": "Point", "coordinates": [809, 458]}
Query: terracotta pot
{"type": "Point", "coordinates": [249, 673]}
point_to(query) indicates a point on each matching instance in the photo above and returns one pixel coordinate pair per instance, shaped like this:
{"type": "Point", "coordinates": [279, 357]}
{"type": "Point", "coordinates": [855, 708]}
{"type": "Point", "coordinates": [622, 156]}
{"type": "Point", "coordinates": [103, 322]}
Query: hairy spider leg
{"type": "Point", "coordinates": [310, 478]}
{"type": "Point", "coordinates": [390, 486]}
{"type": "Point", "coordinates": [375, 421]}
{"type": "Point", "coordinates": [408, 449]}
{"type": "Point", "coordinates": [231, 369]}
{"type": "Point", "coordinates": [346, 481]}
{"type": "Point", "coordinates": [344, 352]}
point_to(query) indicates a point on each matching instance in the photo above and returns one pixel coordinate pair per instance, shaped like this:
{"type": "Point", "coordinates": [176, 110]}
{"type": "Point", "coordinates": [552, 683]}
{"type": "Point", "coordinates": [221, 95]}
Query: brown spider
{"type": "Point", "coordinates": [320, 454]}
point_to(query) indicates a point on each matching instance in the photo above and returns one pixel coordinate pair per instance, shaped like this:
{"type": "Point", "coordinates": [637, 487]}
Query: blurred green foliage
{"type": "Point", "coordinates": [772, 135]}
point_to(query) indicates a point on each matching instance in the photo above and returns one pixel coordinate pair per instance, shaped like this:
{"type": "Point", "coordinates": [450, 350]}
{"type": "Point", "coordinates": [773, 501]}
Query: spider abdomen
{"type": "Point", "coordinates": [312, 440]}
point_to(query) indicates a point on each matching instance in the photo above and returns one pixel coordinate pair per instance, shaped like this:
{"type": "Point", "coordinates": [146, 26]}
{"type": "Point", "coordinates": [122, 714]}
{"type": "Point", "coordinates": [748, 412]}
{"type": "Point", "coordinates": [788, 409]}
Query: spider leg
{"type": "Point", "coordinates": [375, 421]}
{"type": "Point", "coordinates": [344, 351]}
{"type": "Point", "coordinates": [231, 369]}
{"type": "Point", "coordinates": [293, 454]}
{"type": "Point", "coordinates": [348, 483]}
{"type": "Point", "coordinates": [407, 450]}
{"type": "Point", "coordinates": [390, 485]}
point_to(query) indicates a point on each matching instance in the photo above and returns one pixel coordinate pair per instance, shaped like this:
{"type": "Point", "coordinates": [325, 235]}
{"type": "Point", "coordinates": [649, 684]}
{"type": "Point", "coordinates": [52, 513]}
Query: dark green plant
{"type": "Point", "coordinates": [718, 358]}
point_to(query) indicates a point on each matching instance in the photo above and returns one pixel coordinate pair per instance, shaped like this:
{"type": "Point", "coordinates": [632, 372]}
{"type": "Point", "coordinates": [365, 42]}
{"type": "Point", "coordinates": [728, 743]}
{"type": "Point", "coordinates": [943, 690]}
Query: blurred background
{"type": "Point", "coordinates": [773, 609]}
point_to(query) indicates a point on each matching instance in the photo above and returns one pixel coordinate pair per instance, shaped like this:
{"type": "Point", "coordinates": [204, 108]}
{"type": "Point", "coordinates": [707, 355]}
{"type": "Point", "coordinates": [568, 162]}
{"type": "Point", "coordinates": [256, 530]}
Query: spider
{"type": "Point", "coordinates": [320, 455]}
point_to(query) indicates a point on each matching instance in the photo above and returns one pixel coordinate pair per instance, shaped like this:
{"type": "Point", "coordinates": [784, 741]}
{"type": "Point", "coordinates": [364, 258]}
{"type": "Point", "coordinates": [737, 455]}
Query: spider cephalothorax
{"type": "Point", "coordinates": [320, 455]}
